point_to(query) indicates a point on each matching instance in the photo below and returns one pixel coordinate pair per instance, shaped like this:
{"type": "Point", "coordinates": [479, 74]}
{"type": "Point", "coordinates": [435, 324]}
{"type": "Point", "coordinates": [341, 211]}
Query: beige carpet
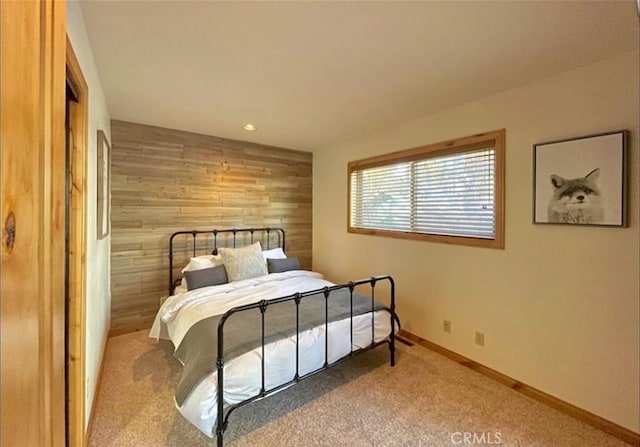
{"type": "Point", "coordinates": [426, 400]}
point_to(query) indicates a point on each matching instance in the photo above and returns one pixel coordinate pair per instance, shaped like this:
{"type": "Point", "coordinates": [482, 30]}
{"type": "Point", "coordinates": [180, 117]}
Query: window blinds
{"type": "Point", "coordinates": [450, 195]}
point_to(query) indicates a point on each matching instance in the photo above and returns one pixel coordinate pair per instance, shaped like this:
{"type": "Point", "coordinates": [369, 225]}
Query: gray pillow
{"type": "Point", "coordinates": [282, 265]}
{"type": "Point", "coordinates": [211, 276]}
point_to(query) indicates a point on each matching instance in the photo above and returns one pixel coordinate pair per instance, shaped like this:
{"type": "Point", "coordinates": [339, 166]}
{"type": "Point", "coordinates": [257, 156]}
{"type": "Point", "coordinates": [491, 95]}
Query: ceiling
{"type": "Point", "coordinates": [312, 74]}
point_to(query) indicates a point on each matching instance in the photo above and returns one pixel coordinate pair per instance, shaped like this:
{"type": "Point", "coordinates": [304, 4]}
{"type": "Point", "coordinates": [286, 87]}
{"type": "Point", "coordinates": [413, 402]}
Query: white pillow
{"type": "Point", "coordinates": [243, 263]}
{"type": "Point", "coordinates": [274, 253]}
{"type": "Point", "coordinates": [181, 288]}
{"type": "Point", "coordinates": [202, 262]}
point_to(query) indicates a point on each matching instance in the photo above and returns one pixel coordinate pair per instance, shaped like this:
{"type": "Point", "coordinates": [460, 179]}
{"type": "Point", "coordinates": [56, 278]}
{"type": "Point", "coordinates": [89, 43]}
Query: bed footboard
{"type": "Point", "coordinates": [224, 413]}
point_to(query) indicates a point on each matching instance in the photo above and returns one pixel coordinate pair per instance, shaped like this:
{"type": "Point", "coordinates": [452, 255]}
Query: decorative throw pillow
{"type": "Point", "coordinates": [202, 262]}
{"type": "Point", "coordinates": [282, 265]}
{"type": "Point", "coordinates": [274, 253]}
{"type": "Point", "coordinates": [211, 276]}
{"type": "Point", "coordinates": [243, 263]}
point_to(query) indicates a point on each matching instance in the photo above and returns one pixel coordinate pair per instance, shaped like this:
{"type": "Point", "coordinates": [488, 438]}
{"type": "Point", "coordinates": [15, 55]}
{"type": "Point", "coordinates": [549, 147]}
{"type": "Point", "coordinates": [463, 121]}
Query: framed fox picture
{"type": "Point", "coordinates": [581, 181]}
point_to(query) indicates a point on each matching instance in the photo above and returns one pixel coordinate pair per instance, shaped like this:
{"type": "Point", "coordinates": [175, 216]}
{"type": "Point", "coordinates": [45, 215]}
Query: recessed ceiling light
{"type": "Point", "coordinates": [250, 127]}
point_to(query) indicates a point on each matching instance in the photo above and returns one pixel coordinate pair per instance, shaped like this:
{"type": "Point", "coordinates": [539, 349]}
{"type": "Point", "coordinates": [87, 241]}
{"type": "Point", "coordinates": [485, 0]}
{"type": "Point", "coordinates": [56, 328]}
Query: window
{"type": "Point", "coordinates": [448, 192]}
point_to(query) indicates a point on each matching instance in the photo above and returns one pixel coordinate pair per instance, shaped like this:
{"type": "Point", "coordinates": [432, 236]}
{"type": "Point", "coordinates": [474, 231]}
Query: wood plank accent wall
{"type": "Point", "coordinates": [167, 180]}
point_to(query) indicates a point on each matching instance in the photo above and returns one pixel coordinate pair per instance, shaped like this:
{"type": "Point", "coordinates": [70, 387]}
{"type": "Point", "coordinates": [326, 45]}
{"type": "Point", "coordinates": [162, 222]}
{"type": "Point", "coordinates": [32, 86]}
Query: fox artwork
{"type": "Point", "coordinates": [577, 200]}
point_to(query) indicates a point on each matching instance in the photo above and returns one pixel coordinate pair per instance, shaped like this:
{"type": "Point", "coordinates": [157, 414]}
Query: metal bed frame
{"type": "Point", "coordinates": [223, 414]}
{"type": "Point", "coordinates": [229, 237]}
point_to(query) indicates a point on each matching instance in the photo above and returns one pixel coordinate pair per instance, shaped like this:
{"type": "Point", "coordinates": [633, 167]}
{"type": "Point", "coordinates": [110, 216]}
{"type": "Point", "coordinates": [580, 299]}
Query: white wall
{"type": "Point", "coordinates": [98, 307]}
{"type": "Point", "coordinates": [559, 305]}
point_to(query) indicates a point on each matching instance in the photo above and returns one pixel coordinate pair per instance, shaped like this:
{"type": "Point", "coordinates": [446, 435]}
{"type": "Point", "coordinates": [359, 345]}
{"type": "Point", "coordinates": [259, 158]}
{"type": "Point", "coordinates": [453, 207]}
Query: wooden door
{"type": "Point", "coordinates": [77, 118]}
{"type": "Point", "coordinates": [32, 77]}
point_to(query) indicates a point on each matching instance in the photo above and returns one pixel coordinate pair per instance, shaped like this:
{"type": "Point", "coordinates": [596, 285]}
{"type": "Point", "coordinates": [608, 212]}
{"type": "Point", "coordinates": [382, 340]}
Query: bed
{"type": "Point", "coordinates": [247, 322]}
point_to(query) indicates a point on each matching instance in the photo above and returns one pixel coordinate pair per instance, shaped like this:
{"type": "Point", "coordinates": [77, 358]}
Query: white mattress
{"type": "Point", "coordinates": [242, 378]}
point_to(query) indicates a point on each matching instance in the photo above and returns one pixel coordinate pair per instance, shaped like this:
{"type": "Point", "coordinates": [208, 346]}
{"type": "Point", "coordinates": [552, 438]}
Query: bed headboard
{"type": "Point", "coordinates": [190, 243]}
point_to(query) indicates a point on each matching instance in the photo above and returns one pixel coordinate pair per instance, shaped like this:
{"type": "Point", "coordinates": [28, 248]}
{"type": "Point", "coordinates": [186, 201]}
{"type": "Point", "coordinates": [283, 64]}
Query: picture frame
{"type": "Point", "coordinates": [103, 219]}
{"type": "Point", "coordinates": [581, 181]}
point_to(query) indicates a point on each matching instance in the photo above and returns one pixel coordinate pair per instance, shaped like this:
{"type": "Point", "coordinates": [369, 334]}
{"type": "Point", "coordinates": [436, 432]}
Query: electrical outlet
{"type": "Point", "coordinates": [479, 338]}
{"type": "Point", "coordinates": [446, 326]}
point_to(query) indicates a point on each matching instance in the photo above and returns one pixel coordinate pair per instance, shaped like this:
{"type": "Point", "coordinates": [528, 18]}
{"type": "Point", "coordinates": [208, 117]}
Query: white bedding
{"type": "Point", "coordinates": [242, 376]}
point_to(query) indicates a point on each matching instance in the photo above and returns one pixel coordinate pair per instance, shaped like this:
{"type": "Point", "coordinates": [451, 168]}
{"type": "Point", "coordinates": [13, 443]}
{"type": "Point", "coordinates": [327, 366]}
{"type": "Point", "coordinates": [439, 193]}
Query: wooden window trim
{"type": "Point", "coordinates": [495, 138]}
